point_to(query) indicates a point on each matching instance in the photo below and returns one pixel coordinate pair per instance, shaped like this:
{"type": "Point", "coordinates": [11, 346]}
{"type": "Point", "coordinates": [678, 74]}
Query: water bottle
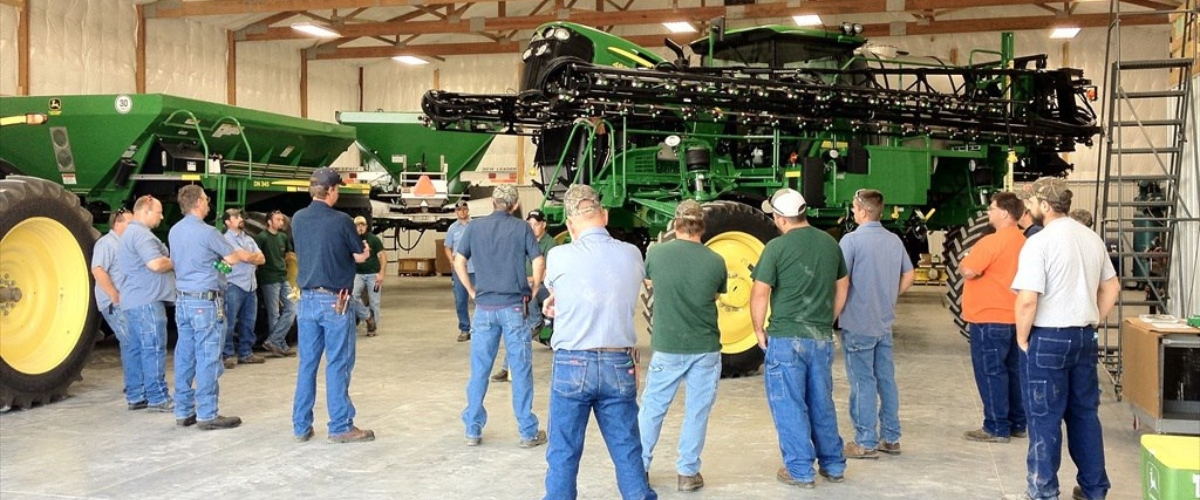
{"type": "Point", "coordinates": [223, 267]}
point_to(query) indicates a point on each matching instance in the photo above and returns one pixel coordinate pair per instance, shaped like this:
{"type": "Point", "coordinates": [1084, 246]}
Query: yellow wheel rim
{"type": "Point", "coordinates": [42, 259]}
{"type": "Point", "coordinates": [562, 238]}
{"type": "Point", "coordinates": [741, 252]}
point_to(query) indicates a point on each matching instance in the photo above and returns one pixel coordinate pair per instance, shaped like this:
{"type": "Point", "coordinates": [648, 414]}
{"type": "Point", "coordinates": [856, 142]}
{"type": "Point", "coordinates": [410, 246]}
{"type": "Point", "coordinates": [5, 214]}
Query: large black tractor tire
{"type": "Point", "coordinates": [47, 333]}
{"type": "Point", "coordinates": [959, 241]}
{"type": "Point", "coordinates": [724, 218]}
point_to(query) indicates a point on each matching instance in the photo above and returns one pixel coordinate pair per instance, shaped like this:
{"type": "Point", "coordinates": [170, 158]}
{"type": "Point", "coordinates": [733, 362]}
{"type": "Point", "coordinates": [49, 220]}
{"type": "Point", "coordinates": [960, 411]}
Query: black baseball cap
{"type": "Point", "coordinates": [536, 215]}
{"type": "Point", "coordinates": [327, 177]}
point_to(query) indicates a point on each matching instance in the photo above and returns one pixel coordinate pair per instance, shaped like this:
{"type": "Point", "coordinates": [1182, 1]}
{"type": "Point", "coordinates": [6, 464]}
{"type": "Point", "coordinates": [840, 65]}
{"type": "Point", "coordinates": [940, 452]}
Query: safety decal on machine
{"type": "Point", "coordinates": [123, 104]}
{"type": "Point", "coordinates": [68, 179]}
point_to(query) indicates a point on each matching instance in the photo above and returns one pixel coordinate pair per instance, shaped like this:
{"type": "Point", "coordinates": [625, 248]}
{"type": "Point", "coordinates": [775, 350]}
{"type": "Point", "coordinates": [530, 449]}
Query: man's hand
{"type": "Point", "coordinates": [379, 278]}
{"type": "Point", "coordinates": [548, 307]}
{"type": "Point", "coordinates": [762, 338]}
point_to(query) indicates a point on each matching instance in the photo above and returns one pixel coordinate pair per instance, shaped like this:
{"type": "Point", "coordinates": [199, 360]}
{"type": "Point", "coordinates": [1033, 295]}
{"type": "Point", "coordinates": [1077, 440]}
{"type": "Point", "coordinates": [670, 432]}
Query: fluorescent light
{"type": "Point", "coordinates": [1064, 33]}
{"type": "Point", "coordinates": [807, 20]}
{"type": "Point", "coordinates": [410, 60]}
{"type": "Point", "coordinates": [680, 27]}
{"type": "Point", "coordinates": [317, 30]}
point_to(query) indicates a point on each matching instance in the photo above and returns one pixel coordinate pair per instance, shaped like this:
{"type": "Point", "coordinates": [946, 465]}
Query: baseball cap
{"type": "Point", "coordinates": [326, 177]}
{"type": "Point", "coordinates": [461, 204]}
{"type": "Point", "coordinates": [785, 202]}
{"type": "Point", "coordinates": [689, 209]}
{"type": "Point", "coordinates": [360, 220]}
{"type": "Point", "coordinates": [576, 195]}
{"type": "Point", "coordinates": [506, 193]}
{"type": "Point", "coordinates": [230, 214]}
{"type": "Point", "coordinates": [1024, 193]}
{"type": "Point", "coordinates": [536, 215]}
{"type": "Point", "coordinates": [1053, 190]}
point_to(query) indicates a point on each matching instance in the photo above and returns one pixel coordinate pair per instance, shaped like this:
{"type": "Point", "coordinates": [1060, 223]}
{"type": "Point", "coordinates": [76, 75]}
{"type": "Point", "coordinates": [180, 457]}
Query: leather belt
{"type": "Point", "coordinates": [610, 349]}
{"type": "Point", "coordinates": [321, 290]}
{"type": "Point", "coordinates": [202, 295]}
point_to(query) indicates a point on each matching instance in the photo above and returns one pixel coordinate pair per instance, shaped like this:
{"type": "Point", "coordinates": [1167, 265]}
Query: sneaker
{"type": "Point", "coordinates": [140, 405]}
{"type": "Point", "coordinates": [830, 477]}
{"type": "Point", "coordinates": [230, 363]}
{"type": "Point", "coordinates": [274, 351]}
{"type": "Point", "coordinates": [500, 376]}
{"type": "Point", "coordinates": [853, 450]}
{"type": "Point", "coordinates": [303, 438]}
{"type": "Point", "coordinates": [786, 478]}
{"type": "Point", "coordinates": [464, 336]}
{"type": "Point", "coordinates": [371, 325]}
{"type": "Point", "coordinates": [252, 359]}
{"type": "Point", "coordinates": [690, 483]}
{"type": "Point", "coordinates": [354, 435]}
{"type": "Point", "coordinates": [186, 422]}
{"type": "Point", "coordinates": [218, 423]}
{"type": "Point", "coordinates": [536, 440]}
{"type": "Point", "coordinates": [982, 436]}
{"type": "Point", "coordinates": [889, 448]}
{"type": "Point", "coordinates": [474, 441]}
{"type": "Point", "coordinates": [1020, 434]}
{"type": "Point", "coordinates": [167, 406]}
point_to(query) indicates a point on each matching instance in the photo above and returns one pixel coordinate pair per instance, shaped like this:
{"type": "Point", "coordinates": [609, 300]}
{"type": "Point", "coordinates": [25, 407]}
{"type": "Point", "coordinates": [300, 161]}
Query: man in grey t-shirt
{"type": "Point", "coordinates": [1065, 286]}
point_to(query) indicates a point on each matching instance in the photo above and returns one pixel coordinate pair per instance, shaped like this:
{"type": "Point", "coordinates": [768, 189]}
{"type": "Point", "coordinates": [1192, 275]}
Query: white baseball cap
{"type": "Point", "coordinates": [785, 202]}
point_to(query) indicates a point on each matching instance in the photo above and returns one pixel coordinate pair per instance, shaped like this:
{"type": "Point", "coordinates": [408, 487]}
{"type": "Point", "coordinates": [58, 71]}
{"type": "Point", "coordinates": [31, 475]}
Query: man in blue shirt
{"type": "Point", "coordinates": [499, 244]}
{"type": "Point", "coordinates": [148, 284]}
{"type": "Point", "coordinates": [461, 299]}
{"type": "Point", "coordinates": [108, 300]}
{"type": "Point", "coordinates": [327, 247]}
{"type": "Point", "coordinates": [241, 301]}
{"type": "Point", "coordinates": [594, 283]}
{"type": "Point", "coordinates": [879, 270]}
{"type": "Point", "coordinates": [199, 312]}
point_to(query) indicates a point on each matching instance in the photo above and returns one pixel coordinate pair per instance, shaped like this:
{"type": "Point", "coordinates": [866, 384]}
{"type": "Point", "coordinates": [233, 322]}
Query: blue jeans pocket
{"type": "Point", "coordinates": [568, 377]}
{"type": "Point", "coordinates": [626, 377]}
{"type": "Point", "coordinates": [992, 364]}
{"type": "Point", "coordinates": [1052, 353]}
{"type": "Point", "coordinates": [1039, 404]}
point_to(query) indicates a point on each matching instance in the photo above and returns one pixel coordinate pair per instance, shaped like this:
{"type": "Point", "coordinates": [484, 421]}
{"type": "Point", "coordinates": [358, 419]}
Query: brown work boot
{"type": "Point", "coordinates": [230, 363]}
{"type": "Point", "coordinates": [371, 324]}
{"type": "Point", "coordinates": [889, 448]}
{"type": "Point", "coordinates": [274, 350]}
{"type": "Point", "coordinates": [218, 423]}
{"type": "Point", "coordinates": [464, 336]}
{"type": "Point", "coordinates": [252, 359]}
{"type": "Point", "coordinates": [786, 478]}
{"type": "Point", "coordinates": [500, 376]}
{"type": "Point", "coordinates": [853, 450]}
{"type": "Point", "coordinates": [354, 435]}
{"type": "Point", "coordinates": [691, 483]}
{"type": "Point", "coordinates": [537, 440]}
{"type": "Point", "coordinates": [983, 436]}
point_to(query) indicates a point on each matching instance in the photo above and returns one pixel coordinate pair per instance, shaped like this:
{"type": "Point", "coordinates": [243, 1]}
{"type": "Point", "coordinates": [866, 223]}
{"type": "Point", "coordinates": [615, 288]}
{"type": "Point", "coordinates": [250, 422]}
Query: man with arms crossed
{"type": "Point", "coordinates": [686, 277]}
{"type": "Point", "coordinates": [1065, 286]}
{"type": "Point", "coordinates": [241, 299]}
{"type": "Point", "coordinates": [148, 284]}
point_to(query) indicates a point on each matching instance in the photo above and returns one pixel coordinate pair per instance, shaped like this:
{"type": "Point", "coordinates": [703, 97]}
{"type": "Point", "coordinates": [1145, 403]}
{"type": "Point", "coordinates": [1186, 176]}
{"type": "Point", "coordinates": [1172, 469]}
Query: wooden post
{"type": "Point", "coordinates": [139, 70]}
{"type": "Point", "coordinates": [231, 69]}
{"type": "Point", "coordinates": [303, 85]}
{"type": "Point", "coordinates": [361, 86]}
{"type": "Point", "coordinates": [23, 48]}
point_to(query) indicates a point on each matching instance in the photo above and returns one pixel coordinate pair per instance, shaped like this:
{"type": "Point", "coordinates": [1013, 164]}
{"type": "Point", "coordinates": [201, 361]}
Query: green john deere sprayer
{"type": "Point", "coordinates": [770, 107]}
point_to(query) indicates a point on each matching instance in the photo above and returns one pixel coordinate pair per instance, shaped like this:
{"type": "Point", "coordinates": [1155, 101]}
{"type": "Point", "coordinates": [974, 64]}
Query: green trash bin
{"type": "Point", "coordinates": [1170, 467]}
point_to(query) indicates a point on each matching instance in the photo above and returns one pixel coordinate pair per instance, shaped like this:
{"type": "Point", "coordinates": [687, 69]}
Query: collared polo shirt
{"type": "Point", "coordinates": [875, 259]}
{"type": "Point", "coordinates": [326, 242]}
{"type": "Point", "coordinates": [104, 256]}
{"type": "Point", "coordinates": [595, 280]}
{"type": "Point", "coordinates": [453, 236]}
{"type": "Point", "coordinates": [499, 245]}
{"type": "Point", "coordinates": [1064, 263]}
{"type": "Point", "coordinates": [139, 285]}
{"type": "Point", "coordinates": [196, 247]}
{"type": "Point", "coordinates": [243, 272]}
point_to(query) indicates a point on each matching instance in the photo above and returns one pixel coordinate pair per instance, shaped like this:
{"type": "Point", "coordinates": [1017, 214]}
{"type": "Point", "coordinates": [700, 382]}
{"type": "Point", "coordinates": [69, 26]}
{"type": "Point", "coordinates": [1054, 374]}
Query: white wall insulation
{"type": "Point", "coordinates": [82, 46]}
{"type": "Point", "coordinates": [268, 77]}
{"type": "Point", "coordinates": [333, 87]}
{"type": "Point", "coordinates": [1185, 261]}
{"type": "Point", "coordinates": [186, 58]}
{"type": "Point", "coordinates": [8, 50]}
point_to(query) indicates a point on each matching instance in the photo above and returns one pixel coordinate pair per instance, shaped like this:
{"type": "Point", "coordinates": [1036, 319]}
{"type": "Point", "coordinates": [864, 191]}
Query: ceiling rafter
{"type": "Point", "coordinates": [1150, 4]}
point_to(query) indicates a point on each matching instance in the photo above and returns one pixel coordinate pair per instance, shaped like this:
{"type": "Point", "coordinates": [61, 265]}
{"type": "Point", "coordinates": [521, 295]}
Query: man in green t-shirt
{"type": "Point", "coordinates": [369, 276]}
{"type": "Point", "coordinates": [802, 276]}
{"type": "Point", "coordinates": [273, 281]}
{"type": "Point", "coordinates": [686, 277]}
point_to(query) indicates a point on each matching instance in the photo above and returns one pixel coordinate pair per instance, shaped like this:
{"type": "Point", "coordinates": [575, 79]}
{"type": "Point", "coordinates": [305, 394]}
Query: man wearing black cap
{"type": "Point", "coordinates": [327, 247]}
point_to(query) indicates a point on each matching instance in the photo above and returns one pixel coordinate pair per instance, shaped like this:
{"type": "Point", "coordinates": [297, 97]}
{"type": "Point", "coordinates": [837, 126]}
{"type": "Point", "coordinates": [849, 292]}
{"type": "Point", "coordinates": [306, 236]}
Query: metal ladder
{"type": "Point", "coordinates": [1140, 207]}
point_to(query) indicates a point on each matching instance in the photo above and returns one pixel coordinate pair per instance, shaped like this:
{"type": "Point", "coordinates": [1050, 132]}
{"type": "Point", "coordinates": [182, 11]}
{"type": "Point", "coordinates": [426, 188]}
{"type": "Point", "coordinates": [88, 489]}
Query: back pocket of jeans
{"type": "Point", "coordinates": [569, 376]}
{"type": "Point", "coordinates": [1052, 353]}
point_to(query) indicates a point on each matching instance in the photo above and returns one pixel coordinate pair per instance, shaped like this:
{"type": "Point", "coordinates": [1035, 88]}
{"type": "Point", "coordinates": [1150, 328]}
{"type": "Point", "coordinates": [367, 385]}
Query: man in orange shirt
{"type": "Point", "coordinates": [987, 303]}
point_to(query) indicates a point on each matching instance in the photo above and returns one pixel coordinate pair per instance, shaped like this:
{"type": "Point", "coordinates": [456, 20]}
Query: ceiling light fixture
{"type": "Point", "coordinates": [316, 29]}
{"type": "Point", "coordinates": [680, 27]}
{"type": "Point", "coordinates": [410, 60]}
{"type": "Point", "coordinates": [1064, 32]}
{"type": "Point", "coordinates": [807, 20]}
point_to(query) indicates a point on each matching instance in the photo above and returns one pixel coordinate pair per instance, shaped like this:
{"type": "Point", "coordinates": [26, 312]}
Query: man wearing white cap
{"type": "Point", "coordinates": [803, 277]}
{"type": "Point", "coordinates": [369, 276]}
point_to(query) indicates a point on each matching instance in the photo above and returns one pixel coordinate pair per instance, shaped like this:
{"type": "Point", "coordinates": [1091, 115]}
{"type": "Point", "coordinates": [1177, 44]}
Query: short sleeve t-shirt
{"type": "Point", "coordinates": [371, 265]}
{"type": "Point", "coordinates": [686, 277]}
{"type": "Point", "coordinates": [1065, 263]}
{"type": "Point", "coordinates": [801, 267]}
{"type": "Point", "coordinates": [989, 298]}
{"type": "Point", "coordinates": [275, 248]}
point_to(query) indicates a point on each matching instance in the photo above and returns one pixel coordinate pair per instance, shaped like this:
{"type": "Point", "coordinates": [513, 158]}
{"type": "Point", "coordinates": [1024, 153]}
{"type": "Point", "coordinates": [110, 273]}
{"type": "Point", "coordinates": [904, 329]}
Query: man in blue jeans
{"type": "Point", "coordinates": [879, 271]}
{"type": "Point", "coordinates": [148, 282]}
{"type": "Point", "coordinates": [241, 299]}
{"type": "Point", "coordinates": [108, 300]}
{"type": "Point", "coordinates": [1065, 286]}
{"type": "Point", "coordinates": [686, 277]}
{"type": "Point", "coordinates": [499, 244]}
{"type": "Point", "coordinates": [200, 315]}
{"type": "Point", "coordinates": [802, 277]}
{"type": "Point", "coordinates": [594, 283]}
{"type": "Point", "coordinates": [368, 277]}
{"type": "Point", "coordinates": [276, 291]}
{"type": "Point", "coordinates": [328, 247]}
{"type": "Point", "coordinates": [461, 299]}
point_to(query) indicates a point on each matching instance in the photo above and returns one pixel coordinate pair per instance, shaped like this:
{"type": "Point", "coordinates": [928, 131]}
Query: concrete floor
{"type": "Point", "coordinates": [409, 387]}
